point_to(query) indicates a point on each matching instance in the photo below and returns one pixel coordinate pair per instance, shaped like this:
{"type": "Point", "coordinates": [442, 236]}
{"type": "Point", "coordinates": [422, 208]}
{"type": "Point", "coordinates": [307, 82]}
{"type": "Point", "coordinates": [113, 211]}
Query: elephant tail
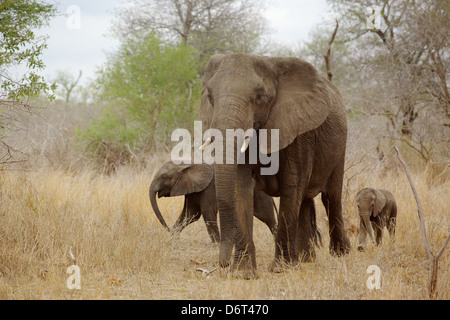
{"type": "Point", "coordinates": [314, 230]}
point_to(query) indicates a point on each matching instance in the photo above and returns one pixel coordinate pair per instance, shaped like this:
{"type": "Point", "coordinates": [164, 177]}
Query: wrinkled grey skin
{"type": "Point", "coordinates": [196, 183]}
{"type": "Point", "coordinates": [254, 92]}
{"type": "Point", "coordinates": [377, 209]}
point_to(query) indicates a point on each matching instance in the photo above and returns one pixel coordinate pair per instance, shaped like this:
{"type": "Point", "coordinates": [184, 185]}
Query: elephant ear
{"type": "Point", "coordinates": [301, 105]}
{"type": "Point", "coordinates": [192, 178]}
{"type": "Point", "coordinates": [206, 109]}
{"type": "Point", "coordinates": [380, 202]}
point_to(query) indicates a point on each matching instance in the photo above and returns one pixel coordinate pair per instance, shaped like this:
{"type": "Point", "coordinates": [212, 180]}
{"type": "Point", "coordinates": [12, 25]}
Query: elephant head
{"type": "Point", "coordinates": [370, 203]}
{"type": "Point", "coordinates": [255, 92]}
{"type": "Point", "coordinates": [173, 180]}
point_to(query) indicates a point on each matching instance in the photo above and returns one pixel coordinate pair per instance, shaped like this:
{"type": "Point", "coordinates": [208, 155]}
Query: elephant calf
{"type": "Point", "coordinates": [196, 183]}
{"type": "Point", "coordinates": [377, 209]}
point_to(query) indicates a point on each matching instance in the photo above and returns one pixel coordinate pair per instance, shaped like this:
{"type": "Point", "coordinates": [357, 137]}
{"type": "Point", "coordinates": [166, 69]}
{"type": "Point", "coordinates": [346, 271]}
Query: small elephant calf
{"type": "Point", "coordinates": [196, 183]}
{"type": "Point", "coordinates": [377, 209]}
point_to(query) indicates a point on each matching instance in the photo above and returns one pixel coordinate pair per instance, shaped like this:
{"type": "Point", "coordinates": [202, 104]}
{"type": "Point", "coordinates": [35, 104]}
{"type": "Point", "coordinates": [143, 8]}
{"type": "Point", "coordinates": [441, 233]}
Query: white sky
{"type": "Point", "coordinates": [72, 49]}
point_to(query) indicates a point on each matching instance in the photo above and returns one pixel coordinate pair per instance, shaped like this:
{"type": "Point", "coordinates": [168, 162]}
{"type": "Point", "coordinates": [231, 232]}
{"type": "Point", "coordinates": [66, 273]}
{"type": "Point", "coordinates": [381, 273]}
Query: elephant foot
{"type": "Point", "coordinates": [308, 256]}
{"type": "Point", "coordinates": [244, 266]}
{"type": "Point", "coordinates": [243, 274]}
{"type": "Point", "coordinates": [242, 271]}
{"type": "Point", "coordinates": [215, 240]}
{"type": "Point", "coordinates": [340, 247]}
{"type": "Point", "coordinates": [278, 266]}
{"type": "Point", "coordinates": [225, 251]}
{"type": "Point", "coordinates": [306, 252]}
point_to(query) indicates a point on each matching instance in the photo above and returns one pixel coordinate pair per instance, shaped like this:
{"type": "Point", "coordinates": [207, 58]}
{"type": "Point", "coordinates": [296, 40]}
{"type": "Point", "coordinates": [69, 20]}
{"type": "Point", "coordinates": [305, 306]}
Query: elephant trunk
{"type": "Point", "coordinates": [226, 203]}
{"type": "Point", "coordinates": [152, 195]}
{"type": "Point", "coordinates": [229, 115]}
{"type": "Point", "coordinates": [368, 227]}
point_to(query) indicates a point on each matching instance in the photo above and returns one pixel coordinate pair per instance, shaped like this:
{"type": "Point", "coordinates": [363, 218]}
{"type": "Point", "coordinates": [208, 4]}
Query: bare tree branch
{"type": "Point", "coordinates": [403, 63]}
{"type": "Point", "coordinates": [68, 82]}
{"type": "Point", "coordinates": [433, 258]}
{"type": "Point", "coordinates": [327, 56]}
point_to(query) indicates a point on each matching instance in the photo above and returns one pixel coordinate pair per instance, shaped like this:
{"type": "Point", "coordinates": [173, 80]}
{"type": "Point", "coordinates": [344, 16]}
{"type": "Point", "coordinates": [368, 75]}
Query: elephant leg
{"type": "Point", "coordinates": [293, 181]}
{"type": "Point", "coordinates": [317, 237]}
{"type": "Point", "coordinates": [189, 214]}
{"type": "Point", "coordinates": [391, 227]}
{"type": "Point", "coordinates": [378, 228]}
{"type": "Point", "coordinates": [391, 221]}
{"type": "Point", "coordinates": [210, 217]}
{"type": "Point", "coordinates": [264, 210]}
{"type": "Point", "coordinates": [331, 199]}
{"type": "Point", "coordinates": [208, 208]}
{"type": "Point", "coordinates": [286, 237]}
{"type": "Point", "coordinates": [244, 252]}
{"type": "Point", "coordinates": [306, 234]}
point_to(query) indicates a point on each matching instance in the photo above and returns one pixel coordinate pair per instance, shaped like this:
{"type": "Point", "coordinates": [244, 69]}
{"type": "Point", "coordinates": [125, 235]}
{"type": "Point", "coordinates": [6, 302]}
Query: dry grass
{"type": "Point", "coordinates": [123, 252]}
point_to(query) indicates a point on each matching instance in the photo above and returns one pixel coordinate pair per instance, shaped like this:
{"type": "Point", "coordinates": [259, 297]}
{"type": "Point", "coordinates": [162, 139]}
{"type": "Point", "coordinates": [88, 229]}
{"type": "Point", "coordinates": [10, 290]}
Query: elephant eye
{"type": "Point", "coordinates": [210, 98]}
{"type": "Point", "coordinates": [260, 98]}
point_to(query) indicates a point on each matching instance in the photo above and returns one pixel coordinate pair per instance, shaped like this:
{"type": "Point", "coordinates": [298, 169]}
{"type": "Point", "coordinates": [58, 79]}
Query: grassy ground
{"type": "Point", "coordinates": [124, 253]}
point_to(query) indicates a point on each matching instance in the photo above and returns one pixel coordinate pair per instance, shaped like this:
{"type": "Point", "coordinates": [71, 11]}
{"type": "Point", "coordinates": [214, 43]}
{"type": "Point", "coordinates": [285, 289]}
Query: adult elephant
{"type": "Point", "coordinates": [247, 91]}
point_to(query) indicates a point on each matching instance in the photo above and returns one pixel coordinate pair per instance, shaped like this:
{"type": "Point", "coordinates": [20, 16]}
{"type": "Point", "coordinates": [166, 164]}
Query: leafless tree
{"type": "Point", "coordinates": [403, 64]}
{"type": "Point", "coordinates": [67, 82]}
{"type": "Point", "coordinates": [209, 25]}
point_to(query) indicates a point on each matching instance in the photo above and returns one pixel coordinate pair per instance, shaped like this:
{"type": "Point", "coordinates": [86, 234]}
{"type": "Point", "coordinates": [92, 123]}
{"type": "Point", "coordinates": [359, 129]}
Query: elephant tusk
{"type": "Point", "coordinates": [245, 144]}
{"type": "Point", "coordinates": [207, 143]}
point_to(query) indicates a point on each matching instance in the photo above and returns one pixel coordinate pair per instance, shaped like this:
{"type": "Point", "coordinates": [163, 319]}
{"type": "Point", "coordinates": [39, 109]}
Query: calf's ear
{"type": "Point", "coordinates": [192, 178]}
{"type": "Point", "coordinates": [380, 202]}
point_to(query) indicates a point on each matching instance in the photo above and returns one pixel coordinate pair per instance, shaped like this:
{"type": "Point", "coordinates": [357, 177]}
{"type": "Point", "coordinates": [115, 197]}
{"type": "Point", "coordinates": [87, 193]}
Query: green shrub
{"type": "Point", "coordinates": [147, 89]}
